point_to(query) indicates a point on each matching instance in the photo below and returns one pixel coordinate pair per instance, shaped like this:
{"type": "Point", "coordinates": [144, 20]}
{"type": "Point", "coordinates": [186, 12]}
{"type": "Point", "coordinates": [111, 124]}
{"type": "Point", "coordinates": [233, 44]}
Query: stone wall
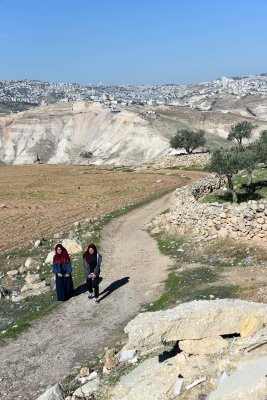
{"type": "Point", "coordinates": [181, 160]}
{"type": "Point", "coordinates": [207, 221]}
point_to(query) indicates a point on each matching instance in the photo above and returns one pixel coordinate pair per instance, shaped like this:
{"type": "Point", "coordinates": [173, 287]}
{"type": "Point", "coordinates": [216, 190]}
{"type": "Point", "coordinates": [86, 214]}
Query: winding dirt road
{"type": "Point", "coordinates": [132, 271]}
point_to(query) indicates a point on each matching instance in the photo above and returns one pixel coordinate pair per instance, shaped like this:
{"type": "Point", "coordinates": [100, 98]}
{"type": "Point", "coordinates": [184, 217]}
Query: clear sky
{"type": "Point", "coordinates": [132, 41]}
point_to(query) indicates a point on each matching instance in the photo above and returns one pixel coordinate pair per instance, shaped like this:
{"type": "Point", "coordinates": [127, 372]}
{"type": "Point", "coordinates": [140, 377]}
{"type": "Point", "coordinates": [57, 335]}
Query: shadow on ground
{"type": "Point", "coordinates": [114, 286]}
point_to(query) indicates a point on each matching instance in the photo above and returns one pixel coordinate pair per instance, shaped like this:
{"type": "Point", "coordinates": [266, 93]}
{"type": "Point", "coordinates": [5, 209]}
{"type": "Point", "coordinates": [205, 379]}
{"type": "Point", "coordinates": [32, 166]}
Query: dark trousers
{"type": "Point", "coordinates": [64, 287]}
{"type": "Point", "coordinates": [93, 284]}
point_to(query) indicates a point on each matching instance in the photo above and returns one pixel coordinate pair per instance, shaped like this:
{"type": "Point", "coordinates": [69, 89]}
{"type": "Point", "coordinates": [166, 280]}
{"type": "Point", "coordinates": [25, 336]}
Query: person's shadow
{"type": "Point", "coordinates": [82, 288]}
{"type": "Point", "coordinates": [113, 286]}
{"type": "Point", "coordinates": [79, 290]}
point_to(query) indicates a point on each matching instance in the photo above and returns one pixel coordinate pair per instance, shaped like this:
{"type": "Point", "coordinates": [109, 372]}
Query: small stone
{"type": "Point", "coordinates": [13, 272]}
{"type": "Point", "coordinates": [178, 387]}
{"type": "Point", "coordinates": [92, 376]}
{"type": "Point", "coordinates": [126, 355]}
{"type": "Point", "coordinates": [22, 269]}
{"type": "Point", "coordinates": [84, 372]}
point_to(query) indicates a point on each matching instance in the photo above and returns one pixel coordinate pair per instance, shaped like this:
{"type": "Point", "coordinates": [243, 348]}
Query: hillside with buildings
{"type": "Point", "coordinates": [127, 124]}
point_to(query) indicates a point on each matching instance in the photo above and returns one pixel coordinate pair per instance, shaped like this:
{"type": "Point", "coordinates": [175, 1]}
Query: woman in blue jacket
{"type": "Point", "coordinates": [62, 269]}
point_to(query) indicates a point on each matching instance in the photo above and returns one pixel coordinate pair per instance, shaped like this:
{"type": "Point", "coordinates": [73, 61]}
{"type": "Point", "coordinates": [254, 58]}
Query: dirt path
{"type": "Point", "coordinates": [132, 271]}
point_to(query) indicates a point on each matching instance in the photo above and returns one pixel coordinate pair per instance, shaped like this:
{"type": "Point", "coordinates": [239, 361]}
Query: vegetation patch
{"type": "Point", "coordinates": [198, 270]}
{"type": "Point", "coordinates": [239, 182]}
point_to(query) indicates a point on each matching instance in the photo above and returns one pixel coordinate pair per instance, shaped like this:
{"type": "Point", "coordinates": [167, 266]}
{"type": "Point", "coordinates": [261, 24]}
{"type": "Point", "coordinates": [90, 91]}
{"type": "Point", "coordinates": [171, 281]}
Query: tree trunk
{"type": "Point", "coordinates": [249, 180]}
{"type": "Point", "coordinates": [250, 189]}
{"type": "Point", "coordinates": [232, 189]}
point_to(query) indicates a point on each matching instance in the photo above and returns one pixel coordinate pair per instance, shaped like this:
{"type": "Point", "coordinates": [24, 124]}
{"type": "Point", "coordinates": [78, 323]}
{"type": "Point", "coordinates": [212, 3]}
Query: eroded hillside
{"type": "Point", "coordinates": [59, 133]}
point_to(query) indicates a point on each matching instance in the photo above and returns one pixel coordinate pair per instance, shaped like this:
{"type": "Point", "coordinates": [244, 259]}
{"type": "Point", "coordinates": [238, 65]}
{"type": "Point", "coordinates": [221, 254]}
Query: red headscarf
{"type": "Point", "coordinates": [89, 256]}
{"type": "Point", "coordinates": [62, 258]}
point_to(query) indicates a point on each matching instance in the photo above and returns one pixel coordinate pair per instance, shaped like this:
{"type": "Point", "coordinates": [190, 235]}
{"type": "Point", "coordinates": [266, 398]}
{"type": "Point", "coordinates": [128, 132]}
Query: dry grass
{"type": "Point", "coordinates": [43, 199]}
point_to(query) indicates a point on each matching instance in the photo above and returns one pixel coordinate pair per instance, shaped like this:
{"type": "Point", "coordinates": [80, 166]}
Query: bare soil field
{"type": "Point", "coordinates": [38, 200]}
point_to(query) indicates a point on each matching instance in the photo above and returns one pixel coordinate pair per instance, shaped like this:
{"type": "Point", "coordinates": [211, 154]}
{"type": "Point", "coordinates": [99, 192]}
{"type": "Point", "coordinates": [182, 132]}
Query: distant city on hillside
{"type": "Point", "coordinates": [21, 95]}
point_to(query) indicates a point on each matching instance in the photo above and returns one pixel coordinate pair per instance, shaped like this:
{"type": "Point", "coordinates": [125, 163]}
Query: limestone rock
{"type": "Point", "coordinates": [35, 289]}
{"type": "Point", "coordinates": [32, 278]}
{"type": "Point", "coordinates": [54, 393]}
{"type": "Point", "coordinates": [22, 269]}
{"type": "Point", "coordinates": [178, 387]}
{"type": "Point", "coordinates": [30, 262]}
{"type": "Point", "coordinates": [127, 346]}
{"type": "Point", "coordinates": [37, 243]}
{"type": "Point", "coordinates": [203, 346]}
{"type": "Point", "coordinates": [249, 326]}
{"type": "Point", "coordinates": [34, 286]}
{"type": "Point", "coordinates": [49, 258]}
{"type": "Point", "coordinates": [126, 355]}
{"type": "Point", "coordinates": [194, 320]}
{"type": "Point", "coordinates": [72, 246]}
{"type": "Point", "coordinates": [92, 376]}
{"type": "Point", "coordinates": [248, 383]}
{"type": "Point", "coordinates": [151, 380]}
{"type": "Point", "coordinates": [110, 363]}
{"type": "Point", "coordinates": [86, 390]}
{"type": "Point", "coordinates": [13, 272]}
{"type": "Point", "coordinates": [84, 371]}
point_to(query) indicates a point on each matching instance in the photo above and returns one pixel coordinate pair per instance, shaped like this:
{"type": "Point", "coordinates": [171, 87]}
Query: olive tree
{"type": "Point", "coordinates": [252, 155]}
{"type": "Point", "coordinates": [188, 140]}
{"type": "Point", "coordinates": [226, 163]}
{"type": "Point", "coordinates": [240, 131]}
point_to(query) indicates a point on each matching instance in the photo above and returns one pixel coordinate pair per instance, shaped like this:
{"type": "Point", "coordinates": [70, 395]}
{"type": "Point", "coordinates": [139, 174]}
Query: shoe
{"type": "Point", "coordinates": [96, 300]}
{"type": "Point", "coordinates": [90, 296]}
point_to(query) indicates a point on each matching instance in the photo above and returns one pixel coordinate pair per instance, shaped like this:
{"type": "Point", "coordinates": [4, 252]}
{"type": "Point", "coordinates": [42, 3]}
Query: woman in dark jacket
{"type": "Point", "coordinates": [91, 262]}
{"type": "Point", "coordinates": [62, 269]}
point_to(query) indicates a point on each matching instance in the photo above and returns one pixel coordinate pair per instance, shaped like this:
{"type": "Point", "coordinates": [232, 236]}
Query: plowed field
{"type": "Point", "coordinates": [37, 201]}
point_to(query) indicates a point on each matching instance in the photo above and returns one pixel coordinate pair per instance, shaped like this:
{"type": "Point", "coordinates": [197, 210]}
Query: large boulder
{"type": "Point", "coordinates": [247, 383]}
{"type": "Point", "coordinates": [194, 320]}
{"type": "Point", "coordinates": [56, 392]}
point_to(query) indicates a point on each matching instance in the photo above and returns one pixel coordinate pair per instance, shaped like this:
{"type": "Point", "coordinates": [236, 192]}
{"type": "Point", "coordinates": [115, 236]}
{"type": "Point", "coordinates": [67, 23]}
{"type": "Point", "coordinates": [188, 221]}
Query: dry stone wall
{"type": "Point", "coordinates": [207, 221]}
{"type": "Point", "coordinates": [181, 160]}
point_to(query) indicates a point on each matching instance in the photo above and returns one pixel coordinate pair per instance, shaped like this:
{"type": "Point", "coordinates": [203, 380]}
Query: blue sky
{"type": "Point", "coordinates": [132, 41]}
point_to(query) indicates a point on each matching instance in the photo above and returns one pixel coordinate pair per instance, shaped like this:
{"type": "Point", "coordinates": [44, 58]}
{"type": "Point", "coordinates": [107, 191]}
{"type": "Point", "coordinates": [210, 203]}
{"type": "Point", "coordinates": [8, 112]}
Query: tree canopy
{"type": "Point", "coordinates": [188, 140]}
{"type": "Point", "coordinates": [240, 131]}
{"type": "Point", "coordinates": [226, 163]}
